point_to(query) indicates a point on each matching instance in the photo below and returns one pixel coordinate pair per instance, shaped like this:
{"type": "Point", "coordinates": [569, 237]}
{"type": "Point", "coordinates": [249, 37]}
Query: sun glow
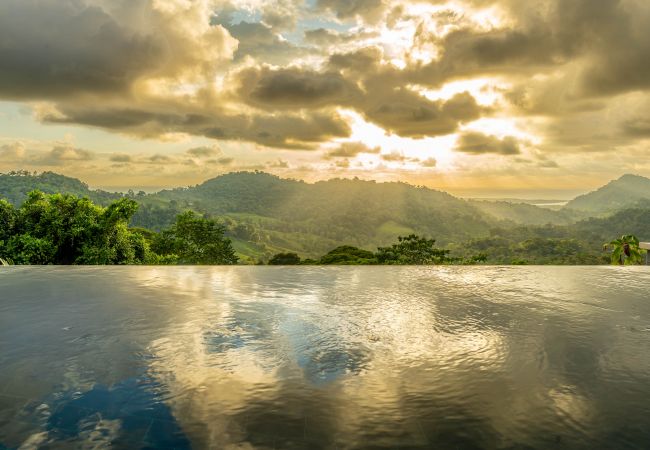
{"type": "Point", "coordinates": [486, 91]}
{"type": "Point", "coordinates": [414, 151]}
{"type": "Point", "coordinates": [503, 127]}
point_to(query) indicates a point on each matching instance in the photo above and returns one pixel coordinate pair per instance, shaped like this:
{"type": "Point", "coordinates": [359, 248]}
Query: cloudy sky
{"type": "Point", "coordinates": [478, 97]}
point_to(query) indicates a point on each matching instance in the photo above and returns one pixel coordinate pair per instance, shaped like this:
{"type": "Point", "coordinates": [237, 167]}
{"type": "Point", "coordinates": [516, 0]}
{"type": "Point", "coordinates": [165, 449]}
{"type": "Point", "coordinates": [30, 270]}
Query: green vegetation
{"type": "Point", "coordinates": [411, 249]}
{"type": "Point", "coordinates": [66, 229]}
{"type": "Point", "coordinates": [194, 240]}
{"type": "Point", "coordinates": [285, 259]}
{"type": "Point", "coordinates": [625, 250]}
{"type": "Point", "coordinates": [627, 191]}
{"type": "Point", "coordinates": [347, 254]}
{"type": "Point", "coordinates": [262, 215]}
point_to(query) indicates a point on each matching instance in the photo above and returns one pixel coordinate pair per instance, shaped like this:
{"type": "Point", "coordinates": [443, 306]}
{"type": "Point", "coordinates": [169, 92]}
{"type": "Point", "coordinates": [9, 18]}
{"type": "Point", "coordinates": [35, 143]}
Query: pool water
{"type": "Point", "coordinates": [324, 357]}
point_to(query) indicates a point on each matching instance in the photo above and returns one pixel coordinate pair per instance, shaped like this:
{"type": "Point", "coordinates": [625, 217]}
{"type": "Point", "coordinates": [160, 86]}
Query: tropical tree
{"type": "Point", "coordinates": [413, 249]}
{"type": "Point", "coordinates": [625, 250]}
{"type": "Point", "coordinates": [284, 259]}
{"type": "Point", "coordinates": [349, 255]}
{"type": "Point", "coordinates": [195, 240]}
{"type": "Point", "coordinates": [7, 224]}
{"type": "Point", "coordinates": [66, 229]}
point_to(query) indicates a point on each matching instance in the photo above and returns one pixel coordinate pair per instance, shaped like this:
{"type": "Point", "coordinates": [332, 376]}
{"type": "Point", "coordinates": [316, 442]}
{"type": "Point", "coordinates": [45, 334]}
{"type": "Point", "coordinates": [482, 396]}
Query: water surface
{"type": "Point", "coordinates": [322, 357]}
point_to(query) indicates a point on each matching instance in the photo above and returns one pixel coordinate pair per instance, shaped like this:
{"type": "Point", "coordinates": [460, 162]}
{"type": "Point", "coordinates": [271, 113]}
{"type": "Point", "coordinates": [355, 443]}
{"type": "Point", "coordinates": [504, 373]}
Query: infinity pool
{"type": "Point", "coordinates": [333, 358]}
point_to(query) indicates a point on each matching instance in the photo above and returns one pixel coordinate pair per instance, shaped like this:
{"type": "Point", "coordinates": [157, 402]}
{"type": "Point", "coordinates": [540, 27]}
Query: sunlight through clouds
{"type": "Point", "coordinates": [289, 79]}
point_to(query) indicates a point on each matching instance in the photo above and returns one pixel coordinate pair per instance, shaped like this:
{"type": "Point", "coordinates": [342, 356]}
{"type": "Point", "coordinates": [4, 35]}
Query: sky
{"type": "Point", "coordinates": [542, 98]}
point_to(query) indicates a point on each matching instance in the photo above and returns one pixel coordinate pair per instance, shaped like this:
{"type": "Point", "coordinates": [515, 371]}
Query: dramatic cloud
{"type": "Point", "coordinates": [345, 9]}
{"type": "Point", "coordinates": [409, 114]}
{"type": "Point", "coordinates": [479, 143]}
{"type": "Point", "coordinates": [350, 150]}
{"type": "Point", "coordinates": [204, 152]}
{"type": "Point", "coordinates": [555, 77]}
{"type": "Point", "coordinates": [295, 88]}
{"type": "Point", "coordinates": [259, 41]}
{"type": "Point", "coordinates": [57, 48]}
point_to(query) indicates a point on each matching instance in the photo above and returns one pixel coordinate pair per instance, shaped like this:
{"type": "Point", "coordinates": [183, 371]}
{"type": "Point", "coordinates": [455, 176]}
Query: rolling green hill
{"type": "Point", "coordinates": [14, 187]}
{"type": "Point", "coordinates": [265, 215]}
{"type": "Point", "coordinates": [527, 214]}
{"type": "Point", "coordinates": [313, 218]}
{"type": "Point", "coordinates": [624, 192]}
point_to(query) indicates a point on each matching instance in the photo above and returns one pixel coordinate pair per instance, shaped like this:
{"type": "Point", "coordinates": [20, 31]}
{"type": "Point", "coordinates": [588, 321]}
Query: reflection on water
{"type": "Point", "coordinates": [311, 357]}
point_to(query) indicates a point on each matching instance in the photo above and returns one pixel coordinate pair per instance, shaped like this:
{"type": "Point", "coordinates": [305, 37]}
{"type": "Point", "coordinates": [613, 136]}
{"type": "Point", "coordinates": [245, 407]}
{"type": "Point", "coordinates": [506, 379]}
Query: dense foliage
{"type": "Point", "coordinates": [285, 259]}
{"type": "Point", "coordinates": [195, 240]}
{"type": "Point", "coordinates": [411, 249]}
{"type": "Point", "coordinates": [624, 192]}
{"type": "Point", "coordinates": [347, 254]}
{"type": "Point", "coordinates": [263, 215]}
{"type": "Point", "coordinates": [65, 229]}
{"type": "Point", "coordinates": [625, 250]}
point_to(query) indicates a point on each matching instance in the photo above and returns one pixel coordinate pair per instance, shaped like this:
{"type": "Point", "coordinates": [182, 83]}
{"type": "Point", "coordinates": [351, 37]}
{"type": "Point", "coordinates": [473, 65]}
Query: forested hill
{"type": "Point", "coordinates": [265, 215]}
{"type": "Point", "coordinates": [312, 218]}
{"type": "Point", "coordinates": [626, 191]}
{"type": "Point", "coordinates": [14, 186]}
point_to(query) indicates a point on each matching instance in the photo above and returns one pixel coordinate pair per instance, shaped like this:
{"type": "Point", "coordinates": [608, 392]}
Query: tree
{"type": "Point", "coordinates": [285, 259]}
{"type": "Point", "coordinates": [625, 250]}
{"type": "Point", "coordinates": [196, 240]}
{"type": "Point", "coordinates": [65, 229]}
{"type": "Point", "coordinates": [7, 224]}
{"type": "Point", "coordinates": [347, 254]}
{"type": "Point", "coordinates": [413, 249]}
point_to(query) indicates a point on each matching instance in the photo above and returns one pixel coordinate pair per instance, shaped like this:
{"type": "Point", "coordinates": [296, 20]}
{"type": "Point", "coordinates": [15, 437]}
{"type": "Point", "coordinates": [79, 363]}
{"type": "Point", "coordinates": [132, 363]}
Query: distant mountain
{"type": "Point", "coordinates": [311, 219]}
{"type": "Point", "coordinates": [14, 186]}
{"type": "Point", "coordinates": [624, 192]}
{"type": "Point", "coordinates": [527, 214]}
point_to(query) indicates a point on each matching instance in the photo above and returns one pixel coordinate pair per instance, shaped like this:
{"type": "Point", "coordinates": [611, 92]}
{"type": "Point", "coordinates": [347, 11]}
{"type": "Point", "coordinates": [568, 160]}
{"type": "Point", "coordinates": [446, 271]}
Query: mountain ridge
{"type": "Point", "coordinates": [619, 193]}
{"type": "Point", "coordinates": [265, 214]}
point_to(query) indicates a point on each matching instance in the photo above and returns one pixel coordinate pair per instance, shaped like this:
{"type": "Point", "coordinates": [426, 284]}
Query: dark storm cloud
{"type": "Point", "coordinates": [478, 144]}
